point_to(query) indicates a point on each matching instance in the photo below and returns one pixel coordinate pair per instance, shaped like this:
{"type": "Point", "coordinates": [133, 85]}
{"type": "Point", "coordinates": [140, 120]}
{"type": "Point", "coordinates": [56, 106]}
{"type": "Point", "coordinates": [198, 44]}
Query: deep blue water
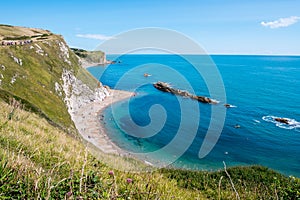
{"type": "Point", "coordinates": [261, 88]}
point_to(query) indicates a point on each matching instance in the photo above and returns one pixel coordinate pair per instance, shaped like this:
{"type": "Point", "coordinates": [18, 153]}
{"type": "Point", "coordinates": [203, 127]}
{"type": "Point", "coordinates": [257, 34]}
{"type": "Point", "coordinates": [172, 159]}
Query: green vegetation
{"type": "Point", "coordinates": [39, 159]}
{"type": "Point", "coordinates": [80, 52]}
{"type": "Point", "coordinates": [41, 36]}
{"type": "Point", "coordinates": [29, 72]}
{"type": "Point", "coordinates": [6, 25]}
{"type": "Point", "coordinates": [90, 56]}
{"type": "Point", "coordinates": [6, 96]}
{"type": "Point", "coordinates": [14, 32]}
{"type": "Point", "coordinates": [255, 182]}
{"type": "Point", "coordinates": [35, 78]}
{"type": "Point", "coordinates": [24, 37]}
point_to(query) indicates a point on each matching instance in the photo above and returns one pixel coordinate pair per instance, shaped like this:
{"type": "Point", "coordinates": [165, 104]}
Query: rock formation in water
{"type": "Point", "coordinates": [282, 120]}
{"type": "Point", "coordinates": [165, 87]}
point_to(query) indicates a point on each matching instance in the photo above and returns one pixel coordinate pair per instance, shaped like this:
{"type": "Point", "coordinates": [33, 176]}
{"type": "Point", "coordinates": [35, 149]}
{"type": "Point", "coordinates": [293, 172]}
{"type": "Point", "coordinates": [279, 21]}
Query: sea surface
{"type": "Point", "coordinates": [259, 88]}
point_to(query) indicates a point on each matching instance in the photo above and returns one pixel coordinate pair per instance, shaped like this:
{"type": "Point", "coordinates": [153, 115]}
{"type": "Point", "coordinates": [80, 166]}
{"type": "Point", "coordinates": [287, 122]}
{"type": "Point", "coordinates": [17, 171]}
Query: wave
{"type": "Point", "coordinates": [229, 106]}
{"type": "Point", "coordinates": [215, 101]}
{"type": "Point", "coordinates": [257, 121]}
{"type": "Point", "coordinates": [292, 123]}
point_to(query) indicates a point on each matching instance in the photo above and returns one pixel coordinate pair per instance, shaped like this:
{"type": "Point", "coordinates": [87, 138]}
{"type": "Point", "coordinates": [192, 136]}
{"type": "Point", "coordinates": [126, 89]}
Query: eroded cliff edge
{"type": "Point", "coordinates": [38, 68]}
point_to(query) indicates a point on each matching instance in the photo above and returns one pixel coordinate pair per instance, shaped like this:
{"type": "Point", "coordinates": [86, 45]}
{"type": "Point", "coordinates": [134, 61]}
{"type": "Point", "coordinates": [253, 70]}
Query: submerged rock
{"type": "Point", "coordinates": [237, 126]}
{"type": "Point", "coordinates": [227, 105]}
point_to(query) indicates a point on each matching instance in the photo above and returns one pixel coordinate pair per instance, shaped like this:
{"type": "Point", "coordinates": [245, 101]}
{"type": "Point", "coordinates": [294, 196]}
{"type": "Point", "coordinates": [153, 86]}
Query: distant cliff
{"type": "Point", "coordinates": [38, 68]}
{"type": "Point", "coordinates": [90, 58]}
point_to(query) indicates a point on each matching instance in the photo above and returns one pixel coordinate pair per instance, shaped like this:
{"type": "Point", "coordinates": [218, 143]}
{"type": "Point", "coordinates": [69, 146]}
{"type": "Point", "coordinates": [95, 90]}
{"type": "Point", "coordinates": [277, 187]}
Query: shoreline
{"type": "Point", "coordinates": [87, 121]}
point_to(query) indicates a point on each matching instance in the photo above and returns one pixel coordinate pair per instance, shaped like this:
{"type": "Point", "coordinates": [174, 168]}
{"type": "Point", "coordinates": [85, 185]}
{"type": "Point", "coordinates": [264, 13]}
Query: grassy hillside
{"type": "Point", "coordinates": [38, 160]}
{"type": "Point", "coordinates": [30, 72]}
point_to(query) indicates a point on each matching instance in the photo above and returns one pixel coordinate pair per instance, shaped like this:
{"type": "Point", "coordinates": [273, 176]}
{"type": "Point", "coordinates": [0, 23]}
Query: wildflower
{"type": "Point", "coordinates": [111, 173]}
{"type": "Point", "coordinates": [69, 194]}
{"type": "Point", "coordinates": [129, 180]}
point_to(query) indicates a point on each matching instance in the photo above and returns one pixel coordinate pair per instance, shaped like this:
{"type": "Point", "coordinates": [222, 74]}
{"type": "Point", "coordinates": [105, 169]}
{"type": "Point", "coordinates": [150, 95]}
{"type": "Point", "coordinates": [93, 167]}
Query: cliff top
{"type": "Point", "coordinates": [8, 32]}
{"type": "Point", "coordinates": [38, 68]}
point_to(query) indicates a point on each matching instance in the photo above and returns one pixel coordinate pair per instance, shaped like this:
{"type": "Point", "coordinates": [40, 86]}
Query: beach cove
{"type": "Point", "coordinates": [257, 141]}
{"type": "Point", "coordinates": [87, 121]}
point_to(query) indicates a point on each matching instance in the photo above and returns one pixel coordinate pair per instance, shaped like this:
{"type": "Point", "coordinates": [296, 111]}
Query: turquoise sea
{"type": "Point", "coordinates": [261, 88]}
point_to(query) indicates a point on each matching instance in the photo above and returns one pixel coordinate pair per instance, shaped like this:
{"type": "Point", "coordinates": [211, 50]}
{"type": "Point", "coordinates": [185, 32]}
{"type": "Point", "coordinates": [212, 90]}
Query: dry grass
{"type": "Point", "coordinates": [16, 31]}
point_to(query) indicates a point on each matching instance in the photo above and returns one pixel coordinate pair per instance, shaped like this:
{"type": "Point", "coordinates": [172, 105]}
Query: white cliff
{"type": "Point", "coordinates": [79, 94]}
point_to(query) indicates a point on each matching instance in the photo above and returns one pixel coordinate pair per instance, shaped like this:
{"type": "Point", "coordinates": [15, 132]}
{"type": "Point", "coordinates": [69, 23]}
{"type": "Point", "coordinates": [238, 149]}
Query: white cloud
{"type": "Point", "coordinates": [95, 36]}
{"type": "Point", "coordinates": [282, 22]}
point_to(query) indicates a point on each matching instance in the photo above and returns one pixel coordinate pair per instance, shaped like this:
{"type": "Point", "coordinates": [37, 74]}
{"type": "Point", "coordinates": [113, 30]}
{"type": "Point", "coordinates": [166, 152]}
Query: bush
{"type": "Point", "coordinates": [24, 37]}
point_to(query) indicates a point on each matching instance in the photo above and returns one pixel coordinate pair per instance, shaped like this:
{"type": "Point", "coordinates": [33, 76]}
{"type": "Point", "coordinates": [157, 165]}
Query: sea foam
{"type": "Point", "coordinates": [292, 123]}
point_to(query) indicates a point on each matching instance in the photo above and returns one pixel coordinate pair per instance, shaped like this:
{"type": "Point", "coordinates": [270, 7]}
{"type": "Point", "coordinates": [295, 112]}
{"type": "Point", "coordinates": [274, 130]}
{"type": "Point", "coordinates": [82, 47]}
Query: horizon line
{"type": "Point", "coordinates": [213, 54]}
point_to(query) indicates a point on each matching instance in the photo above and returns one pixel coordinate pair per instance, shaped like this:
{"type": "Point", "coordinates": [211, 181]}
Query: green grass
{"type": "Point", "coordinates": [24, 37]}
{"type": "Point", "coordinates": [6, 25]}
{"type": "Point", "coordinates": [41, 161]}
{"type": "Point", "coordinates": [37, 76]}
{"type": "Point", "coordinates": [255, 182]}
{"type": "Point", "coordinates": [89, 56]}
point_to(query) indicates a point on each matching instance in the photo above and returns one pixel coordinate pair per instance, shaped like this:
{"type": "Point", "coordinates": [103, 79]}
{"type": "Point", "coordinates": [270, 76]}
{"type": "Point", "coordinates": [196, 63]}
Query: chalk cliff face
{"type": "Point", "coordinates": [78, 94]}
{"type": "Point", "coordinates": [38, 68]}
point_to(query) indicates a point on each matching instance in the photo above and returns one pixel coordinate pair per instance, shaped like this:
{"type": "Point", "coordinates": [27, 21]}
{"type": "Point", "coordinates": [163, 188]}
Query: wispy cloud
{"type": "Point", "coordinates": [95, 36]}
{"type": "Point", "coordinates": [282, 22]}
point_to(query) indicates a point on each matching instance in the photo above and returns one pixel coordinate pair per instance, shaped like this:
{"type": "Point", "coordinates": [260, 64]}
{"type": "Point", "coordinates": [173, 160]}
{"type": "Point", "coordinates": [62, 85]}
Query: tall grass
{"type": "Point", "coordinates": [41, 161]}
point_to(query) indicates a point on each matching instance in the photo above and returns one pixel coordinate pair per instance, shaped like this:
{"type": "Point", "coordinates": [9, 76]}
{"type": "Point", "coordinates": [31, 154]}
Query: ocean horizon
{"type": "Point", "coordinates": [260, 89]}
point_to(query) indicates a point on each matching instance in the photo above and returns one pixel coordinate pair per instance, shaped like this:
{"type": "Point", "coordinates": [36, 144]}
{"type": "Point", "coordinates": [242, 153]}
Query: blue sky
{"type": "Point", "coordinates": [220, 27]}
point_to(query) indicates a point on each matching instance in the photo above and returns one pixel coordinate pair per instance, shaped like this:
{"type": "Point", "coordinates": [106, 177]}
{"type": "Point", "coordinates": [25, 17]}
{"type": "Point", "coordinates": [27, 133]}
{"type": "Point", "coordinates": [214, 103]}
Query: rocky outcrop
{"type": "Point", "coordinates": [282, 120]}
{"type": "Point", "coordinates": [165, 87]}
{"type": "Point", "coordinates": [204, 99]}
